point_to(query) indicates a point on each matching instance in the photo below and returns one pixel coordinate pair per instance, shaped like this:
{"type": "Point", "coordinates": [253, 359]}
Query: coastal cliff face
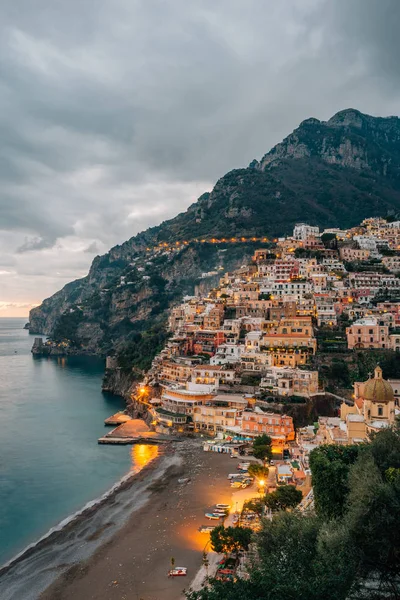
{"type": "Point", "coordinates": [332, 173]}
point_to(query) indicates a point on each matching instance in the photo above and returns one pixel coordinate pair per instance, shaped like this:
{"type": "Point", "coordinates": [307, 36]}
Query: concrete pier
{"type": "Point", "coordinates": [117, 419]}
{"type": "Point", "coordinates": [134, 431]}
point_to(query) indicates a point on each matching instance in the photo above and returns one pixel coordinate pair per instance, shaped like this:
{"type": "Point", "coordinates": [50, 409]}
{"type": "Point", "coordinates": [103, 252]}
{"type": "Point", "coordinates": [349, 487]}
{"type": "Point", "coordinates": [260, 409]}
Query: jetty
{"type": "Point", "coordinates": [117, 419]}
{"type": "Point", "coordinates": [134, 431]}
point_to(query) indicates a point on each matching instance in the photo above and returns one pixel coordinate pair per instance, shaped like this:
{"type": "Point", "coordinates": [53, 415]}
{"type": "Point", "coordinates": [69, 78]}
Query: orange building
{"type": "Point", "coordinates": [279, 427]}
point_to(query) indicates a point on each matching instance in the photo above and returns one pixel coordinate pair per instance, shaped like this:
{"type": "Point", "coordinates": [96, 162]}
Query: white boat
{"type": "Point", "coordinates": [206, 528]}
{"type": "Point", "coordinates": [177, 572]}
{"type": "Point", "coordinates": [224, 506]}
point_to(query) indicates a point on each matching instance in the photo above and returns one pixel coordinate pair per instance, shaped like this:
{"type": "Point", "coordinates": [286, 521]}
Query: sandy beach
{"type": "Point", "coordinates": [134, 563]}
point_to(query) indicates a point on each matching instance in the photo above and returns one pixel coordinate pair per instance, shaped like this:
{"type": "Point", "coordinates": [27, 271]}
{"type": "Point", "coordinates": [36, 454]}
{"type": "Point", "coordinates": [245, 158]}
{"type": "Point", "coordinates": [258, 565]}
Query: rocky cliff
{"type": "Point", "coordinates": [332, 173]}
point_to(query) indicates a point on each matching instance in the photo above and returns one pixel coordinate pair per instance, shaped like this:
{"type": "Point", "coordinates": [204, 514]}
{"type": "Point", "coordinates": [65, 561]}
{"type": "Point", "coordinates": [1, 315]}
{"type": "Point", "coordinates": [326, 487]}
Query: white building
{"type": "Point", "coordinates": [302, 231]}
{"type": "Point", "coordinates": [295, 289]}
{"type": "Point", "coordinates": [366, 242]}
{"type": "Point", "coordinates": [226, 354]}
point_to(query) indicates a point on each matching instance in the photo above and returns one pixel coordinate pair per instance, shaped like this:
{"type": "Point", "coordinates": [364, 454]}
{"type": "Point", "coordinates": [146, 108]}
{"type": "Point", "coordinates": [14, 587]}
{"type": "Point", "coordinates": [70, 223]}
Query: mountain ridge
{"type": "Point", "coordinates": [329, 173]}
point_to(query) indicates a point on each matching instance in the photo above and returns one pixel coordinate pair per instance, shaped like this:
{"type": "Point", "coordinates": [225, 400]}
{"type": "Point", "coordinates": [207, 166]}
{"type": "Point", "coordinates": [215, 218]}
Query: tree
{"type": "Point", "coordinates": [330, 465]}
{"type": "Point", "coordinates": [256, 506]}
{"type": "Point", "coordinates": [373, 512]}
{"type": "Point", "coordinates": [258, 471]}
{"type": "Point", "coordinates": [289, 565]}
{"type": "Point", "coordinates": [264, 296]}
{"type": "Point", "coordinates": [286, 496]}
{"type": "Point", "coordinates": [262, 447]}
{"type": "Point", "coordinates": [230, 539]}
{"type": "Point", "coordinates": [329, 240]}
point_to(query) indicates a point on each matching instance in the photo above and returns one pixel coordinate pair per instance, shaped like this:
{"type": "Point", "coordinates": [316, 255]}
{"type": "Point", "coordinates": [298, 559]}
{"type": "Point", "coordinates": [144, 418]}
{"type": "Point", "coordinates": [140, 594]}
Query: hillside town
{"type": "Point", "coordinates": [239, 355]}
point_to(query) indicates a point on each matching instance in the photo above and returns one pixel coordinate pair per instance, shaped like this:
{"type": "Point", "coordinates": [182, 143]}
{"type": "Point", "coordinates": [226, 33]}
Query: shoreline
{"type": "Point", "coordinates": [43, 561]}
{"type": "Point", "coordinates": [70, 521]}
{"type": "Point", "coordinates": [134, 562]}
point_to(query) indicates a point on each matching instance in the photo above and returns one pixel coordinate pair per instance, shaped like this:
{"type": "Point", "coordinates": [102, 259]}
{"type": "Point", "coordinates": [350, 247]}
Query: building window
{"type": "Point", "coordinates": [380, 411]}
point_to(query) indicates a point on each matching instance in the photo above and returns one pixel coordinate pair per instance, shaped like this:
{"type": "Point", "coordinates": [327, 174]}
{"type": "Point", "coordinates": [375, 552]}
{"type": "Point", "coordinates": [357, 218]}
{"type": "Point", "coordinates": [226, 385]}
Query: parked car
{"type": "Point", "coordinates": [236, 484]}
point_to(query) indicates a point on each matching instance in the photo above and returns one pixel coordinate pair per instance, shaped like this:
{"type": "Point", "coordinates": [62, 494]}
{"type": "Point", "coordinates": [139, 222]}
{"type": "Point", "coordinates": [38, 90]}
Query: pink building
{"type": "Point", "coordinates": [368, 333]}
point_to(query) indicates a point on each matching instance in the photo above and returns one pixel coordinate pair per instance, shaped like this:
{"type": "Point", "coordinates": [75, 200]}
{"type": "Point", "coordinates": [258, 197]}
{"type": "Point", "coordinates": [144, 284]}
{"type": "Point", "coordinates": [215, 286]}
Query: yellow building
{"type": "Point", "coordinates": [290, 342]}
{"type": "Point", "coordinates": [373, 409]}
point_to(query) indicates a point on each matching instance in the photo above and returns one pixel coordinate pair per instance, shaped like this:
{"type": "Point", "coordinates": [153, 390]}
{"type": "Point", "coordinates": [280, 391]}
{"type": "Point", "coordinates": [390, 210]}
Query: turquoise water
{"type": "Point", "coordinates": [52, 412]}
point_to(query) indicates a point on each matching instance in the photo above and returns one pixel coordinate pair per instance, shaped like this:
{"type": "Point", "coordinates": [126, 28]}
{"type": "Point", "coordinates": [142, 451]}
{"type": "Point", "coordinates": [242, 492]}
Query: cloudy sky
{"type": "Point", "coordinates": [117, 114]}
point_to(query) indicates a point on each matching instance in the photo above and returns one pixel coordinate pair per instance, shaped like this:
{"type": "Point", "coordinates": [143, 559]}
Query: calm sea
{"type": "Point", "coordinates": [51, 413]}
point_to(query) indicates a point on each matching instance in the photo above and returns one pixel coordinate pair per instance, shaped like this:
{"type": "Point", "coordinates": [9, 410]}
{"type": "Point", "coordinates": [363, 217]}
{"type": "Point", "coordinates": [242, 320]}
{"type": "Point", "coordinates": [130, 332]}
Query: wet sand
{"type": "Point", "coordinates": [134, 563]}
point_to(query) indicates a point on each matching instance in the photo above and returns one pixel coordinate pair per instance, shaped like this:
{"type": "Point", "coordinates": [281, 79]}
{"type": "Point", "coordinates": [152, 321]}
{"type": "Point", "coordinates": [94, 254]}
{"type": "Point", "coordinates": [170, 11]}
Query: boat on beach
{"type": "Point", "coordinates": [177, 572]}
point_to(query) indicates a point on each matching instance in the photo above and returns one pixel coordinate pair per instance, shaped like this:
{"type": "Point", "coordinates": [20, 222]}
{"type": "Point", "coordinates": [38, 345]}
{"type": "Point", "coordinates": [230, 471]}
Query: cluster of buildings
{"type": "Point", "coordinates": [249, 341]}
{"type": "Point", "coordinates": [375, 406]}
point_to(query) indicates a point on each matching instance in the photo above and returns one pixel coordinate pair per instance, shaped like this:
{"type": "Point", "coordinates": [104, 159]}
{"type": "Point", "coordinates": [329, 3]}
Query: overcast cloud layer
{"type": "Point", "coordinates": [118, 114]}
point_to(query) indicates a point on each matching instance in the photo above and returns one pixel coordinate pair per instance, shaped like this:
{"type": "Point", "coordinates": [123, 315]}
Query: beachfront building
{"type": "Point", "coordinates": [279, 427]}
{"type": "Point", "coordinates": [178, 403]}
{"type": "Point", "coordinates": [214, 419]}
{"type": "Point", "coordinates": [222, 414]}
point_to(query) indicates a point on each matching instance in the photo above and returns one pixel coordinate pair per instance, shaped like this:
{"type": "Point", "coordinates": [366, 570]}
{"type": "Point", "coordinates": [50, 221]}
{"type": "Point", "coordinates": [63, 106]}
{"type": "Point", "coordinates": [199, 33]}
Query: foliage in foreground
{"type": "Point", "coordinates": [350, 549]}
{"type": "Point", "coordinates": [262, 447]}
{"type": "Point", "coordinates": [228, 540]}
{"type": "Point", "coordinates": [285, 497]}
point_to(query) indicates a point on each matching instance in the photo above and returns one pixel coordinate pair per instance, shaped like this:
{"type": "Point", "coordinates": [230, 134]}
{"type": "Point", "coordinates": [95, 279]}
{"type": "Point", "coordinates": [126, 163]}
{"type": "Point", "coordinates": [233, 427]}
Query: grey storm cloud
{"type": "Point", "coordinates": [117, 114]}
{"type": "Point", "coordinates": [92, 248]}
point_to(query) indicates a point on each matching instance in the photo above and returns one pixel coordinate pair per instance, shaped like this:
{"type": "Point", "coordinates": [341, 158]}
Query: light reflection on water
{"type": "Point", "coordinates": [142, 454]}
